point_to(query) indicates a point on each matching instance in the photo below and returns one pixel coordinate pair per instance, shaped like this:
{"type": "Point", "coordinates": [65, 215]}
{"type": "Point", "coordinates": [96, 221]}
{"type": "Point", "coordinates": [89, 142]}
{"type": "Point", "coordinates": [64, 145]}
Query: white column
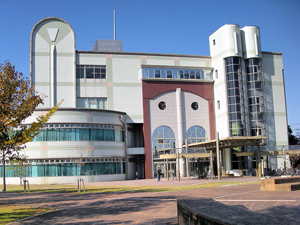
{"type": "Point", "coordinates": [52, 76]}
{"type": "Point", "coordinates": [218, 156]}
{"type": "Point", "coordinates": [179, 117]}
{"type": "Point", "coordinates": [180, 129]}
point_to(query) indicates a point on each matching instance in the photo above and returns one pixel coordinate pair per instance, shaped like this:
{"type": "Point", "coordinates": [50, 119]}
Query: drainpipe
{"type": "Point", "coordinates": [125, 142]}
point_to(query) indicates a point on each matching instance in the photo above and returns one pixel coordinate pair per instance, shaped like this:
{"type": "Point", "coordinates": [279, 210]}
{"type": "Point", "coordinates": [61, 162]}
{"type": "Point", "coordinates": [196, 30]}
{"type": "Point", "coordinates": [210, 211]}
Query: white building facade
{"type": "Point", "coordinates": [121, 110]}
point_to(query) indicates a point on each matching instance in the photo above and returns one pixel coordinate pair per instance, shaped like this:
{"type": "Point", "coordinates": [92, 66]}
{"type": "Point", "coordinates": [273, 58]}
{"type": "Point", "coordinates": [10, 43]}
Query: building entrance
{"type": "Point", "coordinates": [167, 167]}
{"type": "Point", "coordinates": [198, 166]}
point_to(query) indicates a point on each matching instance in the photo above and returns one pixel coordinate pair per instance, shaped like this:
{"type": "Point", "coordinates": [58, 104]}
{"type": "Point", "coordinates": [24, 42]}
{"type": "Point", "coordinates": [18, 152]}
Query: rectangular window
{"type": "Point", "coordinates": [192, 74]}
{"type": "Point", "coordinates": [157, 73]}
{"type": "Point", "coordinates": [97, 73]}
{"type": "Point", "coordinates": [145, 73]}
{"type": "Point", "coordinates": [163, 73]}
{"type": "Point", "coordinates": [79, 72]}
{"type": "Point", "coordinates": [180, 74]}
{"type": "Point", "coordinates": [198, 76]}
{"type": "Point", "coordinates": [169, 74]}
{"type": "Point", "coordinates": [172, 73]}
{"type": "Point", "coordinates": [90, 72]}
{"type": "Point", "coordinates": [202, 74]}
{"type": "Point", "coordinates": [216, 74]}
{"type": "Point", "coordinates": [186, 74]}
{"type": "Point", "coordinates": [92, 103]}
{"type": "Point", "coordinates": [175, 74]}
{"type": "Point", "coordinates": [151, 73]}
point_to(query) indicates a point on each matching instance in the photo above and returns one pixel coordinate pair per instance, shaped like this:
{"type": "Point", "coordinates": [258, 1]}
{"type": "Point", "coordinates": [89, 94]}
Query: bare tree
{"type": "Point", "coordinates": [80, 164]}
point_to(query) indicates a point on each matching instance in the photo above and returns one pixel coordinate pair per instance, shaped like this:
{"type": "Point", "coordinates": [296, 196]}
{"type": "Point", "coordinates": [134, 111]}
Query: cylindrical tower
{"type": "Point", "coordinates": [252, 56]}
{"type": "Point", "coordinates": [251, 42]}
{"type": "Point", "coordinates": [226, 41]}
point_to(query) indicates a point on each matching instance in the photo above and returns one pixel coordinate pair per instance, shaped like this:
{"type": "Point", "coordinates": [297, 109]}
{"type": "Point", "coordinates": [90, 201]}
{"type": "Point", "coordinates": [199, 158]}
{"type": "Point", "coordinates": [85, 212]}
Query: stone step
{"type": "Point", "coordinates": [288, 186]}
{"type": "Point", "coordinates": [280, 184]}
{"type": "Point", "coordinates": [282, 180]}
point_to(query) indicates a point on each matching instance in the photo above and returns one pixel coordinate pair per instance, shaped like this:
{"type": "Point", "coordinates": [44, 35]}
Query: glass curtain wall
{"type": "Point", "coordinates": [255, 97]}
{"type": "Point", "coordinates": [235, 96]}
{"type": "Point", "coordinates": [236, 112]}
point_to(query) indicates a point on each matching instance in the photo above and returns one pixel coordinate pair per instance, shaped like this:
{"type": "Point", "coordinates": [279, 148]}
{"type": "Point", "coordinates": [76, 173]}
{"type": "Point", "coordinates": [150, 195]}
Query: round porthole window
{"type": "Point", "coordinates": [162, 105]}
{"type": "Point", "coordinates": [194, 105]}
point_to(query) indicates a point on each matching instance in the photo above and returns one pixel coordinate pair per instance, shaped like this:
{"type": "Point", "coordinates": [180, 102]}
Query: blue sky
{"type": "Point", "coordinates": [160, 26]}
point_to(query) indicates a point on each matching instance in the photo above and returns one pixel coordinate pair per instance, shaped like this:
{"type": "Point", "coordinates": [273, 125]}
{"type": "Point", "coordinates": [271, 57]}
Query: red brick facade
{"type": "Point", "coordinates": [154, 88]}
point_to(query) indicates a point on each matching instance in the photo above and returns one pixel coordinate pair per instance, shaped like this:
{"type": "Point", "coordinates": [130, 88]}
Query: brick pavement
{"type": "Point", "coordinates": [153, 208]}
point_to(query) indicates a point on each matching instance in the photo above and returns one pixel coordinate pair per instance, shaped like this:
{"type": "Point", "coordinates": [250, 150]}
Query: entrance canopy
{"type": "Point", "coordinates": [218, 144]}
{"type": "Point", "coordinates": [228, 142]}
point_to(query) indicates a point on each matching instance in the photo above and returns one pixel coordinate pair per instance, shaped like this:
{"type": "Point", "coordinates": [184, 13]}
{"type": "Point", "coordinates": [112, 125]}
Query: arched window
{"type": "Point", "coordinates": [163, 138]}
{"type": "Point", "coordinates": [196, 134]}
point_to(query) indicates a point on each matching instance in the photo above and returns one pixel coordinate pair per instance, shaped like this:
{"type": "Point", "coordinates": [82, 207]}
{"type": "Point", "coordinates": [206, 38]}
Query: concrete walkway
{"type": "Point", "coordinates": [153, 208]}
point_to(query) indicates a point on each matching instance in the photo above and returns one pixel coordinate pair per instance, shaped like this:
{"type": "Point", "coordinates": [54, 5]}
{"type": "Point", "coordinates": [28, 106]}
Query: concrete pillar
{"type": "Point", "coordinates": [223, 161]}
{"type": "Point", "coordinates": [218, 156]}
{"type": "Point", "coordinates": [180, 128]}
{"type": "Point", "coordinates": [168, 169]}
{"type": "Point", "coordinates": [177, 166]}
{"type": "Point", "coordinates": [258, 161]}
{"type": "Point", "coordinates": [187, 167]}
{"type": "Point", "coordinates": [211, 162]}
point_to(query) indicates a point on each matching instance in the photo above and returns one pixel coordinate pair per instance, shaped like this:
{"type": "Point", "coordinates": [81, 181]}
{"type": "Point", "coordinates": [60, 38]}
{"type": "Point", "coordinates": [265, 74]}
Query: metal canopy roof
{"type": "Point", "coordinates": [228, 142]}
{"type": "Point", "coordinates": [263, 153]}
{"type": "Point", "coordinates": [186, 155]}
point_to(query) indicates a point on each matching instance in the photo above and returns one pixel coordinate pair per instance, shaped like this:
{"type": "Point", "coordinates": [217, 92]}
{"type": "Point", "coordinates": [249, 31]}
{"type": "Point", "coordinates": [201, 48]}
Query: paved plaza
{"type": "Point", "coordinates": [153, 208]}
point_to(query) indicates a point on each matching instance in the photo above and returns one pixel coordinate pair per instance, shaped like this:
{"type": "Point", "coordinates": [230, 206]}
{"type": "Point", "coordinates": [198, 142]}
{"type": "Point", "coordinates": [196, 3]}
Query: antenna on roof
{"type": "Point", "coordinates": [115, 31]}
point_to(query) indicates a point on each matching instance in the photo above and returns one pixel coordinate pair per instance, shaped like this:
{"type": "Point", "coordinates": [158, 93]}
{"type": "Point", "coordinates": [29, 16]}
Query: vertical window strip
{"type": "Point", "coordinates": [232, 65]}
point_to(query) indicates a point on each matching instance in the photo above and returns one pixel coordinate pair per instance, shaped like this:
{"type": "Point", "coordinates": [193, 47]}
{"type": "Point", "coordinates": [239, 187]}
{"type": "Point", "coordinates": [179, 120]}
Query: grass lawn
{"type": "Point", "coordinates": [10, 213]}
{"type": "Point", "coordinates": [117, 188]}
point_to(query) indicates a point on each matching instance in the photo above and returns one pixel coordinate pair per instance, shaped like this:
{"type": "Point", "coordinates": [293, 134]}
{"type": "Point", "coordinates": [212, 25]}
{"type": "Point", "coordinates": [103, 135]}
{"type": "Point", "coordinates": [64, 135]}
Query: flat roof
{"type": "Point", "coordinates": [143, 53]}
